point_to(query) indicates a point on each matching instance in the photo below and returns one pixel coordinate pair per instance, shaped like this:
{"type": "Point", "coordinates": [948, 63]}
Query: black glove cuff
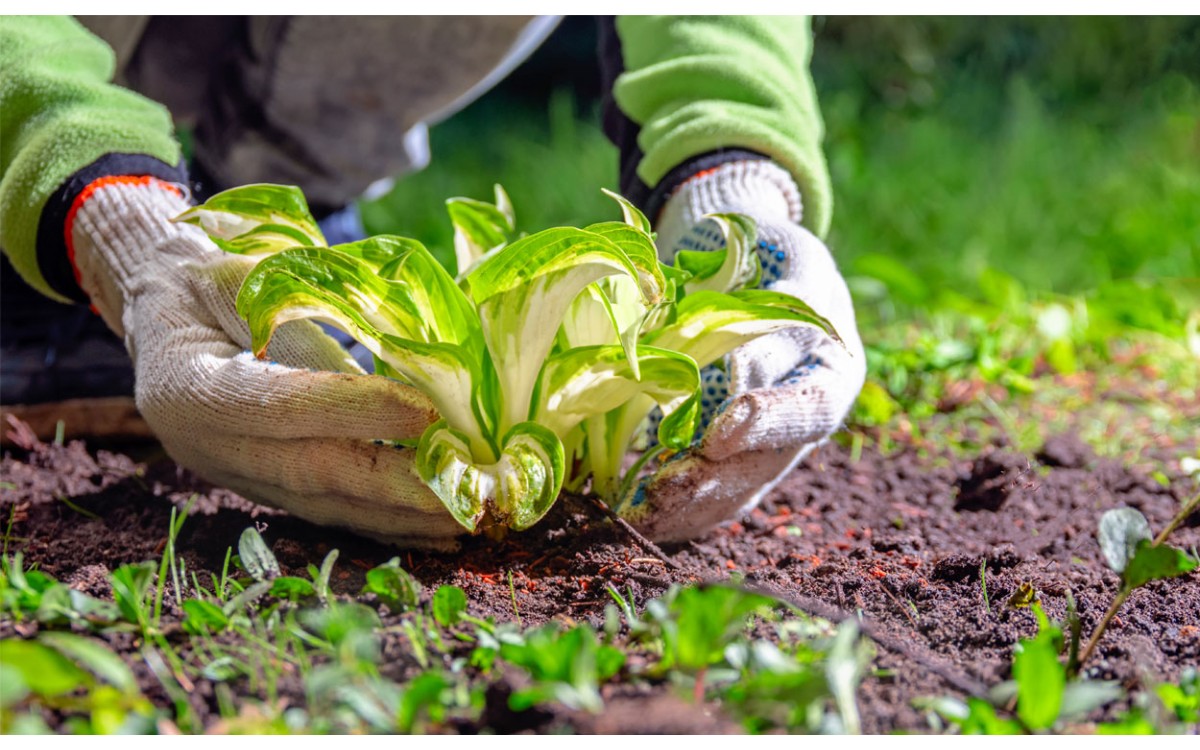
{"type": "Point", "coordinates": [52, 255]}
{"type": "Point", "coordinates": [652, 200]}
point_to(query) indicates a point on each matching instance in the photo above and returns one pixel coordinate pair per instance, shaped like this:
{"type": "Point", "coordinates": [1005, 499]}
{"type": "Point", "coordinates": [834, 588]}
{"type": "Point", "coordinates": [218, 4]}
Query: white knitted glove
{"type": "Point", "coordinates": [296, 433]}
{"type": "Point", "coordinates": [786, 392]}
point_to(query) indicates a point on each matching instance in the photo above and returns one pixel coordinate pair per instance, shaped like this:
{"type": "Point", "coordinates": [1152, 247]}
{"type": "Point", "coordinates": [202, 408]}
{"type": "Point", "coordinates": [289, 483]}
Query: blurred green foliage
{"type": "Point", "coordinates": [1013, 197]}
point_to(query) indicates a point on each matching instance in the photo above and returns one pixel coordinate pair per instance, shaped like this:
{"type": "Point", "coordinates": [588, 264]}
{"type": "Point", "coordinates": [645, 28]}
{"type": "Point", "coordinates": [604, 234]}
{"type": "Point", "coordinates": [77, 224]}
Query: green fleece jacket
{"type": "Point", "coordinates": [686, 89]}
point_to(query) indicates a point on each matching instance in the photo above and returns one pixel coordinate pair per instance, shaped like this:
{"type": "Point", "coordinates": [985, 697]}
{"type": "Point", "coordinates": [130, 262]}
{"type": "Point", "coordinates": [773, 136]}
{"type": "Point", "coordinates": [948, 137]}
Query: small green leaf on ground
{"type": "Point", "coordinates": [566, 667]}
{"type": "Point", "coordinates": [1155, 562]}
{"type": "Point", "coordinates": [130, 585]}
{"type": "Point", "coordinates": [1084, 696]}
{"type": "Point", "coordinates": [1183, 699]}
{"type": "Point", "coordinates": [1041, 679]}
{"type": "Point", "coordinates": [291, 588]}
{"type": "Point", "coordinates": [203, 616]}
{"type": "Point", "coordinates": [94, 657]}
{"type": "Point", "coordinates": [393, 585]}
{"type": "Point", "coordinates": [449, 604]}
{"type": "Point", "coordinates": [321, 579]}
{"type": "Point", "coordinates": [45, 671]}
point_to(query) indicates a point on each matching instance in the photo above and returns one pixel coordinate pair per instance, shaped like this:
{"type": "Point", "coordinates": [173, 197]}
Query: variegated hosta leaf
{"type": "Point", "coordinates": [332, 287]}
{"type": "Point", "coordinates": [630, 213]}
{"type": "Point", "coordinates": [708, 325]}
{"type": "Point", "coordinates": [523, 293]}
{"type": "Point", "coordinates": [479, 227]}
{"type": "Point", "coordinates": [256, 220]}
{"type": "Point", "coordinates": [515, 491]}
{"type": "Point", "coordinates": [625, 295]}
{"type": "Point", "coordinates": [392, 282]}
{"type": "Point", "coordinates": [735, 267]}
{"type": "Point", "coordinates": [590, 320]}
{"type": "Point", "coordinates": [595, 387]}
{"type": "Point", "coordinates": [586, 381]}
{"type": "Point", "coordinates": [610, 436]}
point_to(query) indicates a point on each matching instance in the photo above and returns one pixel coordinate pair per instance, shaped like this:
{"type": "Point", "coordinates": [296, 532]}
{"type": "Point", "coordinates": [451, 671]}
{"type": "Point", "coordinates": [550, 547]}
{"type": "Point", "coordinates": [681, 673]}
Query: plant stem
{"type": "Point", "coordinates": [512, 592]}
{"type": "Point", "coordinates": [1180, 517]}
{"type": "Point", "coordinates": [1123, 594]}
{"type": "Point", "coordinates": [983, 585]}
{"type": "Point", "coordinates": [631, 476]}
{"type": "Point", "coordinates": [1098, 633]}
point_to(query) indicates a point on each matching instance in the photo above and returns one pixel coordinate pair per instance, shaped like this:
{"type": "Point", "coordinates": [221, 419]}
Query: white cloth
{"type": "Point", "coordinates": [788, 391]}
{"type": "Point", "coordinates": [297, 432]}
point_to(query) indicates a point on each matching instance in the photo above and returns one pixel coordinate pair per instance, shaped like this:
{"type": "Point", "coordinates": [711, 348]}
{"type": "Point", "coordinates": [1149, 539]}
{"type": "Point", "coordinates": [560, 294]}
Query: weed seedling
{"type": "Point", "coordinates": [1129, 550]}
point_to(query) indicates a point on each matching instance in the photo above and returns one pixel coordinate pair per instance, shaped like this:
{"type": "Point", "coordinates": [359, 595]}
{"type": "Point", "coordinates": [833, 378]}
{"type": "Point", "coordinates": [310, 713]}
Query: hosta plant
{"type": "Point", "coordinates": [543, 357]}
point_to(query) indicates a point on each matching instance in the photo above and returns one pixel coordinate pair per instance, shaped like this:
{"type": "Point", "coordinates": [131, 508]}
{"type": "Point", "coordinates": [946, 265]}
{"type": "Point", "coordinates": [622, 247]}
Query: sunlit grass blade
{"type": "Point", "coordinates": [256, 220]}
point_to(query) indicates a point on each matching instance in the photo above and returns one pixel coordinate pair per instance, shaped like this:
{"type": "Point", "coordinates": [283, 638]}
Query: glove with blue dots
{"type": "Point", "coordinates": [774, 399]}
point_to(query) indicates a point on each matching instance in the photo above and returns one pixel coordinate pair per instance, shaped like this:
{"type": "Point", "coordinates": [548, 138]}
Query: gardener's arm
{"type": "Point", "coordinates": [716, 115]}
{"type": "Point", "coordinates": [87, 197]}
{"type": "Point", "coordinates": [64, 126]}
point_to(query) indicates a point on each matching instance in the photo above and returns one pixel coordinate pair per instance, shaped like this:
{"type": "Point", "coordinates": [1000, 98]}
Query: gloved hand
{"type": "Point", "coordinates": [295, 433]}
{"type": "Point", "coordinates": [786, 392]}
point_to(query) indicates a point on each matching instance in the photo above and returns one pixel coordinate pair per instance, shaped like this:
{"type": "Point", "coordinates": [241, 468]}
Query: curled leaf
{"type": "Point", "coordinates": [256, 219]}
{"type": "Point", "coordinates": [516, 490]}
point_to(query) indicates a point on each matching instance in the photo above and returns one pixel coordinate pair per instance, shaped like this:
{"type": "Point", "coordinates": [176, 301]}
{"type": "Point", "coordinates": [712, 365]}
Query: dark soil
{"type": "Point", "coordinates": [898, 539]}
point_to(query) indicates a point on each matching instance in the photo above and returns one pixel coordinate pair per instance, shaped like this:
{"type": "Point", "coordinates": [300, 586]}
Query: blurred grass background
{"type": "Point", "coordinates": [1012, 196]}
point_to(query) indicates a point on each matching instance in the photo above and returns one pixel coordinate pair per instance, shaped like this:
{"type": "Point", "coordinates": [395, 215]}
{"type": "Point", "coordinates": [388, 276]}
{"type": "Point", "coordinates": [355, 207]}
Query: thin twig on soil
{"type": "Point", "coordinates": [645, 543]}
{"type": "Point", "coordinates": [954, 678]}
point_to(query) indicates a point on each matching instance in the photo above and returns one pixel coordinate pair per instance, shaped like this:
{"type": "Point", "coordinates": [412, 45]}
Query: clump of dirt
{"type": "Point", "coordinates": [992, 478]}
{"type": "Point", "coordinates": [900, 540]}
{"type": "Point", "coordinates": [1067, 451]}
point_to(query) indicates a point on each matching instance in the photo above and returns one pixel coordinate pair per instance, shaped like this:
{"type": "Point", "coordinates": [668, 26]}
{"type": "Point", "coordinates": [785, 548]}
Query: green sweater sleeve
{"type": "Point", "coordinates": [64, 124]}
{"type": "Point", "coordinates": [695, 85]}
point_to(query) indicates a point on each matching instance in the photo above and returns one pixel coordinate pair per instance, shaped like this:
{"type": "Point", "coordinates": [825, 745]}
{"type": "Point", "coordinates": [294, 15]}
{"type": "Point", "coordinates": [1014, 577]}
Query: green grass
{"type": "Point", "coordinates": [249, 640]}
{"type": "Point", "coordinates": [704, 641]}
{"type": "Point", "coordinates": [1062, 201]}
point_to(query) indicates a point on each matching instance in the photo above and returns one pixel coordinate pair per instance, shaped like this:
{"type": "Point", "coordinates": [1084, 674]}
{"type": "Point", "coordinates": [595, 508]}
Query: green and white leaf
{"type": "Point", "coordinates": [516, 491]}
{"type": "Point", "coordinates": [588, 381]}
{"type": "Point", "coordinates": [256, 220]}
{"type": "Point", "coordinates": [708, 324]}
{"type": "Point", "coordinates": [524, 292]}
{"type": "Point", "coordinates": [340, 290]}
{"type": "Point", "coordinates": [630, 214]}
{"type": "Point", "coordinates": [479, 227]}
{"type": "Point", "coordinates": [727, 270]}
